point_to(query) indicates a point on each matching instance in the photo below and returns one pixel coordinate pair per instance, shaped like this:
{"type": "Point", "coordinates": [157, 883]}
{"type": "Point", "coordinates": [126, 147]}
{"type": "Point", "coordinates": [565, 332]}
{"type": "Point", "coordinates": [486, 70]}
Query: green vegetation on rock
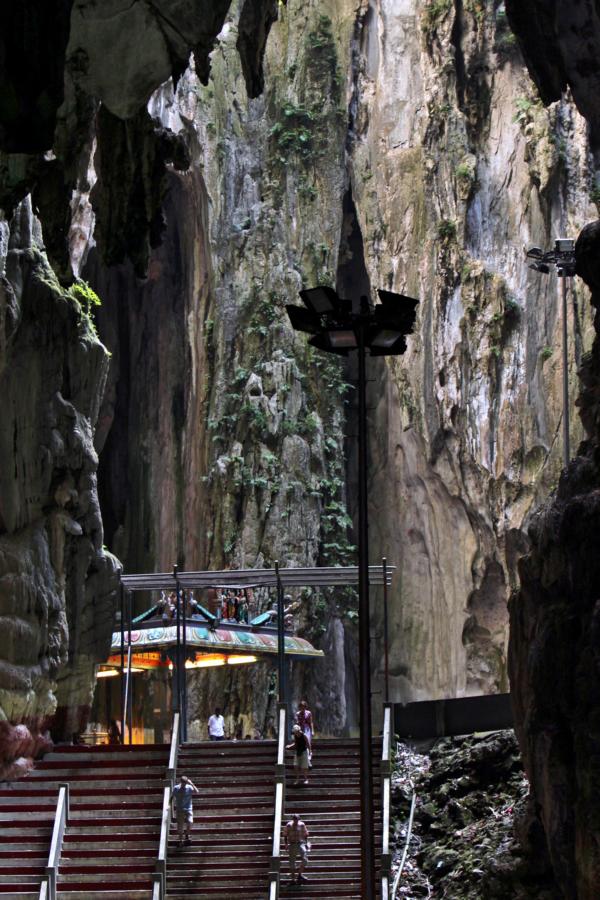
{"type": "Point", "coordinates": [447, 230]}
{"type": "Point", "coordinates": [433, 14]}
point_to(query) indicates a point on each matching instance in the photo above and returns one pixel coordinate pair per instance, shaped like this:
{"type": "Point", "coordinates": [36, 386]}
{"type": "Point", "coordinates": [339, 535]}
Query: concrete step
{"type": "Point", "coordinates": [110, 749]}
{"type": "Point", "coordinates": [106, 830]}
{"type": "Point", "coordinates": [105, 878]}
{"type": "Point", "coordinates": [141, 756]}
{"type": "Point", "coordinates": [20, 877]}
{"type": "Point", "coordinates": [92, 847]}
{"type": "Point", "coordinates": [81, 784]}
{"type": "Point", "coordinates": [100, 892]}
{"type": "Point", "coordinates": [19, 891]}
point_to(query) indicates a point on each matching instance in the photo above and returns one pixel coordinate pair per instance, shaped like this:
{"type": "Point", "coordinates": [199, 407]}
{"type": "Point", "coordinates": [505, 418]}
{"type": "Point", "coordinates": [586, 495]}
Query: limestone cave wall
{"type": "Point", "coordinates": [397, 144]}
{"type": "Point", "coordinates": [57, 581]}
{"type": "Point", "coordinates": [554, 617]}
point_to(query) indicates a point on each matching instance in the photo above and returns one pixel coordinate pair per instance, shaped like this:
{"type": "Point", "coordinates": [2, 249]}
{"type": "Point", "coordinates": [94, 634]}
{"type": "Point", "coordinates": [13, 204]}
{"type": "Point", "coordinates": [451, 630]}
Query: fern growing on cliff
{"type": "Point", "coordinates": [86, 299]}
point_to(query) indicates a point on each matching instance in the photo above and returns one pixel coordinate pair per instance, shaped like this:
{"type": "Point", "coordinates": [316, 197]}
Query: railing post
{"type": "Point", "coordinates": [275, 866]}
{"type": "Point", "coordinates": [386, 777]}
{"type": "Point", "coordinates": [173, 751]}
{"type": "Point", "coordinates": [60, 822]}
{"type": "Point", "coordinates": [177, 667]}
{"type": "Point", "coordinates": [159, 878]}
{"type": "Point", "coordinates": [281, 662]}
{"type": "Point", "coordinates": [122, 602]}
{"type": "Point", "coordinates": [183, 668]}
{"type": "Point", "coordinates": [129, 682]}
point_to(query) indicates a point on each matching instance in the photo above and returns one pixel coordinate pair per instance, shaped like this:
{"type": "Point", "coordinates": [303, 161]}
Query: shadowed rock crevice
{"type": "Point", "coordinates": [131, 164]}
{"type": "Point", "coordinates": [553, 657]}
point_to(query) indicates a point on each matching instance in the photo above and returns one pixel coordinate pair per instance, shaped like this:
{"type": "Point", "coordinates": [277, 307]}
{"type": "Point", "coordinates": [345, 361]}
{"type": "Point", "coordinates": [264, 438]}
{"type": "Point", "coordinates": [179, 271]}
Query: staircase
{"type": "Point", "coordinates": [111, 839]}
{"type": "Point", "coordinates": [330, 807]}
{"type": "Point", "coordinates": [233, 819]}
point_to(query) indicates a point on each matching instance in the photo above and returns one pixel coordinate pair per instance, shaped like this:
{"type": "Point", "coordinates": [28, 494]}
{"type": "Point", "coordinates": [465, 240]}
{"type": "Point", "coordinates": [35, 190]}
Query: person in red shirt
{"type": "Point", "coordinates": [304, 719]}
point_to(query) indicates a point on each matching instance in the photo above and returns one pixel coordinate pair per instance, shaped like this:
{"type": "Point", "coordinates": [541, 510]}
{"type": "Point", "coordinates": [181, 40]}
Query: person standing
{"type": "Point", "coordinates": [114, 733]}
{"type": "Point", "coordinates": [304, 719]}
{"type": "Point", "coordinates": [182, 799]}
{"type": "Point", "coordinates": [216, 726]}
{"type": "Point", "coordinates": [300, 747]}
{"type": "Point", "coordinates": [296, 840]}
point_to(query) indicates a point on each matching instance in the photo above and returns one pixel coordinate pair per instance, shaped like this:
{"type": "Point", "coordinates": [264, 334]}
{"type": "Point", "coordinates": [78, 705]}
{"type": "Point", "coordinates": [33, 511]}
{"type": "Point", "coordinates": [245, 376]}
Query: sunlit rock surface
{"type": "Point", "coordinates": [397, 146]}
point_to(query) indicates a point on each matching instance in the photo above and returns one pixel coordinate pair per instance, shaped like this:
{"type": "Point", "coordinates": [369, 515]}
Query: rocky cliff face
{"type": "Point", "coordinates": [57, 64]}
{"type": "Point", "coordinates": [56, 581]}
{"type": "Point", "coordinates": [554, 618]}
{"type": "Point", "coordinates": [401, 147]}
{"type": "Point", "coordinates": [391, 144]}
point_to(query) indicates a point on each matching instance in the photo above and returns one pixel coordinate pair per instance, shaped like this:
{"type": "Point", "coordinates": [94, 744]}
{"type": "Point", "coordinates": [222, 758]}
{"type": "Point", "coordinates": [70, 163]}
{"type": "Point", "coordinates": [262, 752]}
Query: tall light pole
{"type": "Point", "coordinates": [563, 257]}
{"type": "Point", "coordinates": [336, 328]}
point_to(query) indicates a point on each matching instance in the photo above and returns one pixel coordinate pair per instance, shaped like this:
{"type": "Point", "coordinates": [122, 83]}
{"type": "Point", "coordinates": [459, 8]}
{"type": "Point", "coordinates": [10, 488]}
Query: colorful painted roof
{"type": "Point", "coordinates": [219, 639]}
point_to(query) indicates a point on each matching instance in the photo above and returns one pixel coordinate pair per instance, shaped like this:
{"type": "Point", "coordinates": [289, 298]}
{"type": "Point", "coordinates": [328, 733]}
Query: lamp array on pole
{"type": "Point", "coordinates": [335, 327]}
{"type": "Point", "coordinates": [563, 258]}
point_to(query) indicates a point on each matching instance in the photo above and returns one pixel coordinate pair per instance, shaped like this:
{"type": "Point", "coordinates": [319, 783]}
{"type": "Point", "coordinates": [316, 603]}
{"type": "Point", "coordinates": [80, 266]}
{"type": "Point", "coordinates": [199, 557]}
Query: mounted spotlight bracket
{"type": "Point", "coordinates": [335, 328]}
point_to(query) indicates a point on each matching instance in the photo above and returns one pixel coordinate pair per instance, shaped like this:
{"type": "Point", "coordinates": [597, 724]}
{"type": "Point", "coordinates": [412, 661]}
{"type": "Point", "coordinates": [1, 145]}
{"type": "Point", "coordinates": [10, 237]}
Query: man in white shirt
{"type": "Point", "coordinates": [216, 726]}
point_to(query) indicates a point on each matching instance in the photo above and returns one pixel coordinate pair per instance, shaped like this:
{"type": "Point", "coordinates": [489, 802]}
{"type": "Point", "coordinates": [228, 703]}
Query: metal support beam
{"type": "Point", "coordinates": [565, 360]}
{"type": "Point", "coordinates": [129, 682]}
{"type": "Point", "coordinates": [183, 669]}
{"type": "Point", "coordinates": [177, 664]}
{"type": "Point", "coordinates": [386, 647]}
{"type": "Point", "coordinates": [364, 649]}
{"type": "Point", "coordinates": [281, 661]}
{"type": "Point", "coordinates": [122, 603]}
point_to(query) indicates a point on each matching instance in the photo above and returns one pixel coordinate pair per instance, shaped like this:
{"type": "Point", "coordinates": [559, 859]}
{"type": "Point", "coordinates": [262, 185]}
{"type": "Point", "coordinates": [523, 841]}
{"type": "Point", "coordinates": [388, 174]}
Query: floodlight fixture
{"type": "Point", "coordinates": [342, 338]}
{"type": "Point", "coordinates": [321, 299]}
{"type": "Point", "coordinates": [535, 253]}
{"type": "Point", "coordinates": [564, 245]}
{"type": "Point", "coordinates": [381, 328]}
{"type": "Point", "coordinates": [304, 320]}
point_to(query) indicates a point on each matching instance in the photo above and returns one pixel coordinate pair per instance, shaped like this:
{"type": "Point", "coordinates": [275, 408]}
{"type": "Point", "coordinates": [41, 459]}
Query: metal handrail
{"type": "Point", "coordinates": [61, 818]}
{"type": "Point", "coordinates": [159, 889]}
{"type": "Point", "coordinates": [275, 868]}
{"type": "Point", "coordinates": [163, 843]}
{"type": "Point", "coordinates": [126, 700]}
{"type": "Point", "coordinates": [172, 767]}
{"type": "Point", "coordinates": [413, 804]}
{"type": "Point", "coordinates": [386, 778]}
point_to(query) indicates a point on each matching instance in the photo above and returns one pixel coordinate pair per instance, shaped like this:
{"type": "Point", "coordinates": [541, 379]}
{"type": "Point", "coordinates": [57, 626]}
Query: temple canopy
{"type": "Point", "coordinates": [260, 641]}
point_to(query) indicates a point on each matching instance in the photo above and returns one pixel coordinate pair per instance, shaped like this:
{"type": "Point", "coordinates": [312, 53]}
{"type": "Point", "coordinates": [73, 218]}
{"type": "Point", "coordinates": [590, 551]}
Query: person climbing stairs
{"type": "Point", "coordinates": [230, 848]}
{"type": "Point", "coordinates": [330, 807]}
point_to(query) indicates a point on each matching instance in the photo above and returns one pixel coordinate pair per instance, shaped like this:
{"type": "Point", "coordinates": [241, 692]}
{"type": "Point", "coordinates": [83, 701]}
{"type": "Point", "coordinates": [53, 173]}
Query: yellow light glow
{"type": "Point", "coordinates": [203, 663]}
{"type": "Point", "coordinates": [110, 673]}
{"type": "Point", "coordinates": [240, 660]}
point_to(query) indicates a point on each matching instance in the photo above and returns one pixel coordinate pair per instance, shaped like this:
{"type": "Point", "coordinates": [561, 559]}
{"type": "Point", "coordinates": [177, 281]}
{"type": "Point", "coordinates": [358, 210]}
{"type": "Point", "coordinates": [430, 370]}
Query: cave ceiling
{"type": "Point", "coordinates": [62, 62]}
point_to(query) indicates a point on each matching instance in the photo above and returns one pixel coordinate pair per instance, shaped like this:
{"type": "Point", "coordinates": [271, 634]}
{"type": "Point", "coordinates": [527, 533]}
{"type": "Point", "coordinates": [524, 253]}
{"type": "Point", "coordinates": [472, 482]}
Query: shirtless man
{"type": "Point", "coordinates": [296, 841]}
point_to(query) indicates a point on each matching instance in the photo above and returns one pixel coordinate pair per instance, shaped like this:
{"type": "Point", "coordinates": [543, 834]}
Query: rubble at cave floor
{"type": "Point", "coordinates": [470, 813]}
